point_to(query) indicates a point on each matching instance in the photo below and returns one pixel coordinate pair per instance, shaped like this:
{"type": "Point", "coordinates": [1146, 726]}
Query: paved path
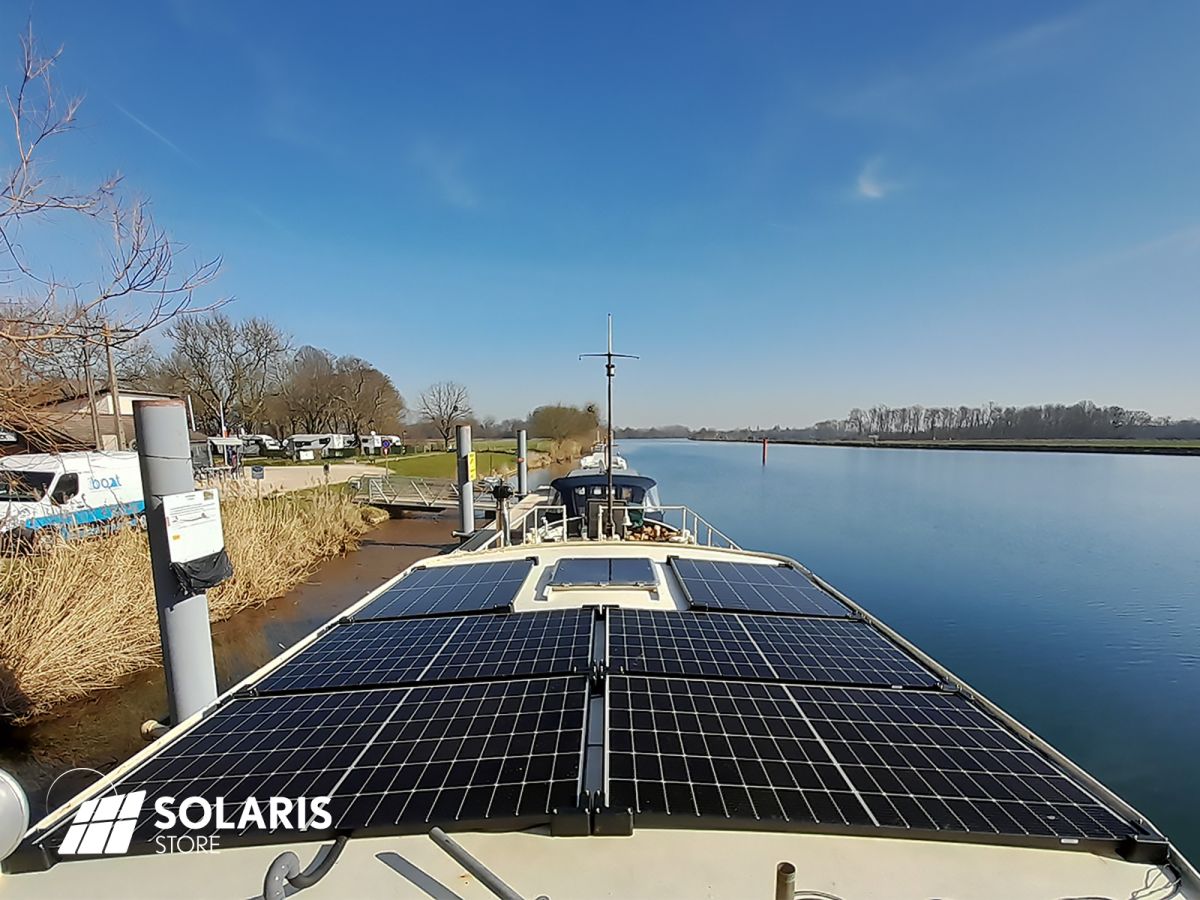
{"type": "Point", "coordinates": [294, 478]}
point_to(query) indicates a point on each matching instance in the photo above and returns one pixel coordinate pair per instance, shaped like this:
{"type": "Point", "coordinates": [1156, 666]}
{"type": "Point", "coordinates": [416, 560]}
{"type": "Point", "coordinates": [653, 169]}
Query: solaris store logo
{"type": "Point", "coordinates": [104, 826]}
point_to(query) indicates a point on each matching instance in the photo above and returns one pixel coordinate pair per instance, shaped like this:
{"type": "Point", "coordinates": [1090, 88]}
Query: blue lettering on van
{"type": "Point", "coordinates": [98, 483]}
{"type": "Point", "coordinates": [88, 516]}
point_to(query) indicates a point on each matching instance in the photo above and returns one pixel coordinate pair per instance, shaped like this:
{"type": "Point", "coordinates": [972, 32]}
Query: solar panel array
{"type": "Point", "coordinates": [604, 571]}
{"type": "Point", "coordinates": [767, 705]}
{"type": "Point", "coordinates": [774, 648]}
{"type": "Point", "coordinates": [753, 588]}
{"type": "Point", "coordinates": [445, 648]}
{"type": "Point", "coordinates": [475, 587]}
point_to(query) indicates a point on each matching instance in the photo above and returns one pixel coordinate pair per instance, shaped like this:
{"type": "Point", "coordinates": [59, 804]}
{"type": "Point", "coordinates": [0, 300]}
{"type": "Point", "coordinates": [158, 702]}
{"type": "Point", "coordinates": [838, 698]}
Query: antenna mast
{"type": "Point", "coordinates": [610, 370]}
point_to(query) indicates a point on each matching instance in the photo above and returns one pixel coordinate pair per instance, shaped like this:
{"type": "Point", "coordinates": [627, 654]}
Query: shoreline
{"type": "Point", "coordinates": [1083, 446]}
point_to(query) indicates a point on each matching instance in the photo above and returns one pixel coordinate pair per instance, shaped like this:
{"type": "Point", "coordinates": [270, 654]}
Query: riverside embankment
{"type": "Point", "coordinates": [102, 730]}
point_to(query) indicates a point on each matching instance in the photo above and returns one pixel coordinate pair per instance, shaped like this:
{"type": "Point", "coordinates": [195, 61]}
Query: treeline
{"type": "Point", "coordinates": [1051, 421]}
{"type": "Point", "coordinates": [246, 376]}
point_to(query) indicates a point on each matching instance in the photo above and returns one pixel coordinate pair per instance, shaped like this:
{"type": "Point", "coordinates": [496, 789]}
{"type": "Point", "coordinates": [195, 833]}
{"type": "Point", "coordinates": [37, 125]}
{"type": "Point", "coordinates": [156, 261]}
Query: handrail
{"type": "Point", "coordinates": [685, 525]}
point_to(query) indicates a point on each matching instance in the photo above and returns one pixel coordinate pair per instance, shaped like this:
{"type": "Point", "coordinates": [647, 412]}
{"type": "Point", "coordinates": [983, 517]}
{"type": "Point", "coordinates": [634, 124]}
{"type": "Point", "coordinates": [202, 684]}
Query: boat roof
{"type": "Point", "coordinates": [621, 719]}
{"type": "Point", "coordinates": [592, 478]}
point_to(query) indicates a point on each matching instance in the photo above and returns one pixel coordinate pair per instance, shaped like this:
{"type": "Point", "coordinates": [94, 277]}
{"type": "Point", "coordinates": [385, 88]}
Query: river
{"type": "Point", "coordinates": [1065, 587]}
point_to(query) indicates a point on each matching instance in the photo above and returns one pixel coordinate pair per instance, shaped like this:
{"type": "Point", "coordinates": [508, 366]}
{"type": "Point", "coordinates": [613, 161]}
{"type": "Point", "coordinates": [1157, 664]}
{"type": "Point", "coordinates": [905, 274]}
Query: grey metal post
{"type": "Point", "coordinates": [522, 463]}
{"type": "Point", "coordinates": [466, 489]}
{"type": "Point", "coordinates": [166, 464]}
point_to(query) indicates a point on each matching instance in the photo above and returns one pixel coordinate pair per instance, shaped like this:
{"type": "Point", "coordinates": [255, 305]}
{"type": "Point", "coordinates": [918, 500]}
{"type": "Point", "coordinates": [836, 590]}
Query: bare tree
{"type": "Point", "coordinates": [310, 390]}
{"type": "Point", "coordinates": [367, 397]}
{"type": "Point", "coordinates": [229, 368]}
{"type": "Point", "coordinates": [445, 405]}
{"type": "Point", "coordinates": [140, 285]}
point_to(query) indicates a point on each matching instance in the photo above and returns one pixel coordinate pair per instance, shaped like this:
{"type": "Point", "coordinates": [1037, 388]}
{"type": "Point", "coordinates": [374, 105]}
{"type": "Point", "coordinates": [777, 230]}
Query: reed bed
{"type": "Point", "coordinates": [81, 617]}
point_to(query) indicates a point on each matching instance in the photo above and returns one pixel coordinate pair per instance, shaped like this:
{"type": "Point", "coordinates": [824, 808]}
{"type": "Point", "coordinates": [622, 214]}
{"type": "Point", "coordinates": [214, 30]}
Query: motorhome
{"type": "Point", "coordinates": [43, 495]}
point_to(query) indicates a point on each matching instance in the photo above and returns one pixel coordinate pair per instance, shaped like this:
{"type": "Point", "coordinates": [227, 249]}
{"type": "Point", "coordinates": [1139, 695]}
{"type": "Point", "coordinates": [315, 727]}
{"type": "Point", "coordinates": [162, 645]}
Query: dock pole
{"type": "Point", "coordinates": [164, 457]}
{"type": "Point", "coordinates": [522, 463]}
{"type": "Point", "coordinates": [764, 451]}
{"type": "Point", "coordinates": [466, 489]}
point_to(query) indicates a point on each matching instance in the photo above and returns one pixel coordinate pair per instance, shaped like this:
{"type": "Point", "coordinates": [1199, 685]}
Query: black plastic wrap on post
{"type": "Point", "coordinates": [198, 575]}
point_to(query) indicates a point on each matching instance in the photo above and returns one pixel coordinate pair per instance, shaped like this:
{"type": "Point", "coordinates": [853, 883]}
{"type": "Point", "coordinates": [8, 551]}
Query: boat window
{"type": "Point", "coordinates": [26, 487]}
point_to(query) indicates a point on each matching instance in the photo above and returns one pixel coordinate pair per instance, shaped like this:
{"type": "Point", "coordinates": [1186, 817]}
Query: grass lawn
{"type": "Point", "coordinates": [444, 465]}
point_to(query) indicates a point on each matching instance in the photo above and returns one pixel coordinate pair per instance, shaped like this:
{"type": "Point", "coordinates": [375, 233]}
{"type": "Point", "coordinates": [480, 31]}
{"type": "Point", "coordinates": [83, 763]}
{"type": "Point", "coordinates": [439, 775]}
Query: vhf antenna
{"type": "Point", "coordinates": [610, 369]}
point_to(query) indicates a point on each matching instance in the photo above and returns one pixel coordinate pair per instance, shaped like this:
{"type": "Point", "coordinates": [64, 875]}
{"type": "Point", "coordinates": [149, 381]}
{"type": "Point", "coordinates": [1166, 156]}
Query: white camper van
{"type": "Point", "coordinates": [44, 494]}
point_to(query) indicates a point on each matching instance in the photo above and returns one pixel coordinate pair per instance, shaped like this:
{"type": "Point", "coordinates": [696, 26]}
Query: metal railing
{"type": "Point", "coordinates": [660, 524]}
{"type": "Point", "coordinates": [434, 493]}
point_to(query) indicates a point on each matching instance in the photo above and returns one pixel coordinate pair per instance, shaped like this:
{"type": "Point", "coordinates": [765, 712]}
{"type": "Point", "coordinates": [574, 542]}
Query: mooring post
{"type": "Point", "coordinates": [522, 463]}
{"type": "Point", "coordinates": [466, 488]}
{"type": "Point", "coordinates": [764, 451]}
{"type": "Point", "coordinates": [166, 464]}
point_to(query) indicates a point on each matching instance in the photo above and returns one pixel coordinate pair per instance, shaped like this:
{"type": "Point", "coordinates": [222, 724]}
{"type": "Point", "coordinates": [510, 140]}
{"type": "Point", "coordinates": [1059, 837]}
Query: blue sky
{"type": "Point", "coordinates": [791, 209]}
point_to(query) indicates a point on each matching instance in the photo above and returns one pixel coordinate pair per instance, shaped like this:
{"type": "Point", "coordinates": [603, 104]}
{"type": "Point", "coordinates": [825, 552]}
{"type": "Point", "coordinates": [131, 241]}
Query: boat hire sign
{"type": "Point", "coordinates": [193, 525]}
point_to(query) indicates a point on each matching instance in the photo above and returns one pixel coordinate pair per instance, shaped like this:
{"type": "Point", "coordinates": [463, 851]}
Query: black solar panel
{"type": "Point", "coordinates": [682, 643]}
{"type": "Point", "coordinates": [930, 760]}
{"type": "Point", "coordinates": [450, 589]}
{"type": "Point", "coordinates": [393, 761]}
{"type": "Point", "coordinates": [583, 571]}
{"type": "Point", "coordinates": [837, 651]}
{"type": "Point", "coordinates": [829, 756]}
{"type": "Point", "coordinates": [753, 588]}
{"type": "Point", "coordinates": [719, 749]}
{"type": "Point", "coordinates": [444, 648]}
{"type": "Point", "coordinates": [773, 648]}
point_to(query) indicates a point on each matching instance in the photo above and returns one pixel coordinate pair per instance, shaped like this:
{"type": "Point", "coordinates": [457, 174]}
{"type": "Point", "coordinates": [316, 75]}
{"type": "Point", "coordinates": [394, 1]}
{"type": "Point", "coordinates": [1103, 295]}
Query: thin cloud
{"type": "Point", "coordinates": [157, 135]}
{"type": "Point", "coordinates": [443, 168]}
{"type": "Point", "coordinates": [871, 184]}
{"type": "Point", "coordinates": [912, 95]}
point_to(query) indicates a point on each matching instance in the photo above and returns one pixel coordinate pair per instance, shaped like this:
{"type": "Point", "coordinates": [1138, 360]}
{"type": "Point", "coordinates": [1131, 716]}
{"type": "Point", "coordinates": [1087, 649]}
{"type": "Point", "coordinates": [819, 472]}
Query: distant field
{"type": "Point", "coordinates": [1150, 447]}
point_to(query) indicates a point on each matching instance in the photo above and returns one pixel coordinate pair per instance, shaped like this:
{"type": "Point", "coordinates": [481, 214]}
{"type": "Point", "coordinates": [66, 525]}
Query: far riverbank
{"type": "Point", "coordinates": [1145, 448]}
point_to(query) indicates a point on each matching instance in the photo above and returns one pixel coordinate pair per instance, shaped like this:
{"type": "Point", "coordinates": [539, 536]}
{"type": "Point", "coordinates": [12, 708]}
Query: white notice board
{"type": "Point", "coordinates": [193, 524]}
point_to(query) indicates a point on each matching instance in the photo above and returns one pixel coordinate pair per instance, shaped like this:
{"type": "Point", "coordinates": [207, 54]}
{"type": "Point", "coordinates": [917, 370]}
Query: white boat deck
{"type": "Point", "coordinates": [652, 862]}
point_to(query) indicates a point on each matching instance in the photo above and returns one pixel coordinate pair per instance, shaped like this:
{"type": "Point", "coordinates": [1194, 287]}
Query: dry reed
{"type": "Point", "coordinates": [81, 616]}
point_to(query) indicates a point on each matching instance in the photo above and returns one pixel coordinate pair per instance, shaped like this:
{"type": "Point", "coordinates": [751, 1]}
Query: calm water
{"type": "Point", "coordinates": [1066, 587]}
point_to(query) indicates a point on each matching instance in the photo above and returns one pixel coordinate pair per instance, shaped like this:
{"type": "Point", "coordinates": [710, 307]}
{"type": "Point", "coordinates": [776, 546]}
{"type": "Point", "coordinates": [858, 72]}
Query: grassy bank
{"type": "Point", "coordinates": [81, 617]}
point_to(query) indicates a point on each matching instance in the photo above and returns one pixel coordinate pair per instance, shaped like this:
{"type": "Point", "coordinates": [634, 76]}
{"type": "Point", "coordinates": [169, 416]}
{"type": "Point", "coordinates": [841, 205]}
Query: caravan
{"type": "Point", "coordinates": [70, 494]}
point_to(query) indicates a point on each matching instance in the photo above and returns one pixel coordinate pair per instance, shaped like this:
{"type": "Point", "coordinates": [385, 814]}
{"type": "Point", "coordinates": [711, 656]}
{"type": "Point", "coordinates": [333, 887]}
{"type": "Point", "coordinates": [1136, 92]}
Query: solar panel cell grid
{"type": "Point", "coordinates": [400, 759]}
{"type": "Point", "coordinates": [775, 648]}
{"type": "Point", "coordinates": [726, 750]}
{"type": "Point", "coordinates": [936, 761]}
{"type": "Point", "coordinates": [753, 588]}
{"type": "Point", "coordinates": [450, 589]}
{"type": "Point", "coordinates": [447, 648]}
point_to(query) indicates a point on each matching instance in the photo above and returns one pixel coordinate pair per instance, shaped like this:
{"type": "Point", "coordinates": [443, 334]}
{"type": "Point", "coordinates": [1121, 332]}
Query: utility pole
{"type": "Point", "coordinates": [90, 381]}
{"type": "Point", "coordinates": [164, 456]}
{"type": "Point", "coordinates": [114, 393]}
{"type": "Point", "coordinates": [610, 370]}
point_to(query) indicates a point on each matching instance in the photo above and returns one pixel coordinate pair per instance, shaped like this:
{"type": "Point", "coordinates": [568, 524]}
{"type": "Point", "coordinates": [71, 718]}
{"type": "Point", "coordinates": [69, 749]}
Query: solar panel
{"type": "Point", "coordinates": [724, 750]}
{"type": "Point", "coordinates": [774, 648]}
{"type": "Point", "coordinates": [794, 756]}
{"type": "Point", "coordinates": [446, 648]}
{"type": "Point", "coordinates": [926, 760]}
{"type": "Point", "coordinates": [450, 589]}
{"type": "Point", "coordinates": [587, 571]}
{"type": "Point", "coordinates": [836, 651]}
{"type": "Point", "coordinates": [396, 760]}
{"type": "Point", "coordinates": [682, 643]}
{"type": "Point", "coordinates": [753, 588]}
